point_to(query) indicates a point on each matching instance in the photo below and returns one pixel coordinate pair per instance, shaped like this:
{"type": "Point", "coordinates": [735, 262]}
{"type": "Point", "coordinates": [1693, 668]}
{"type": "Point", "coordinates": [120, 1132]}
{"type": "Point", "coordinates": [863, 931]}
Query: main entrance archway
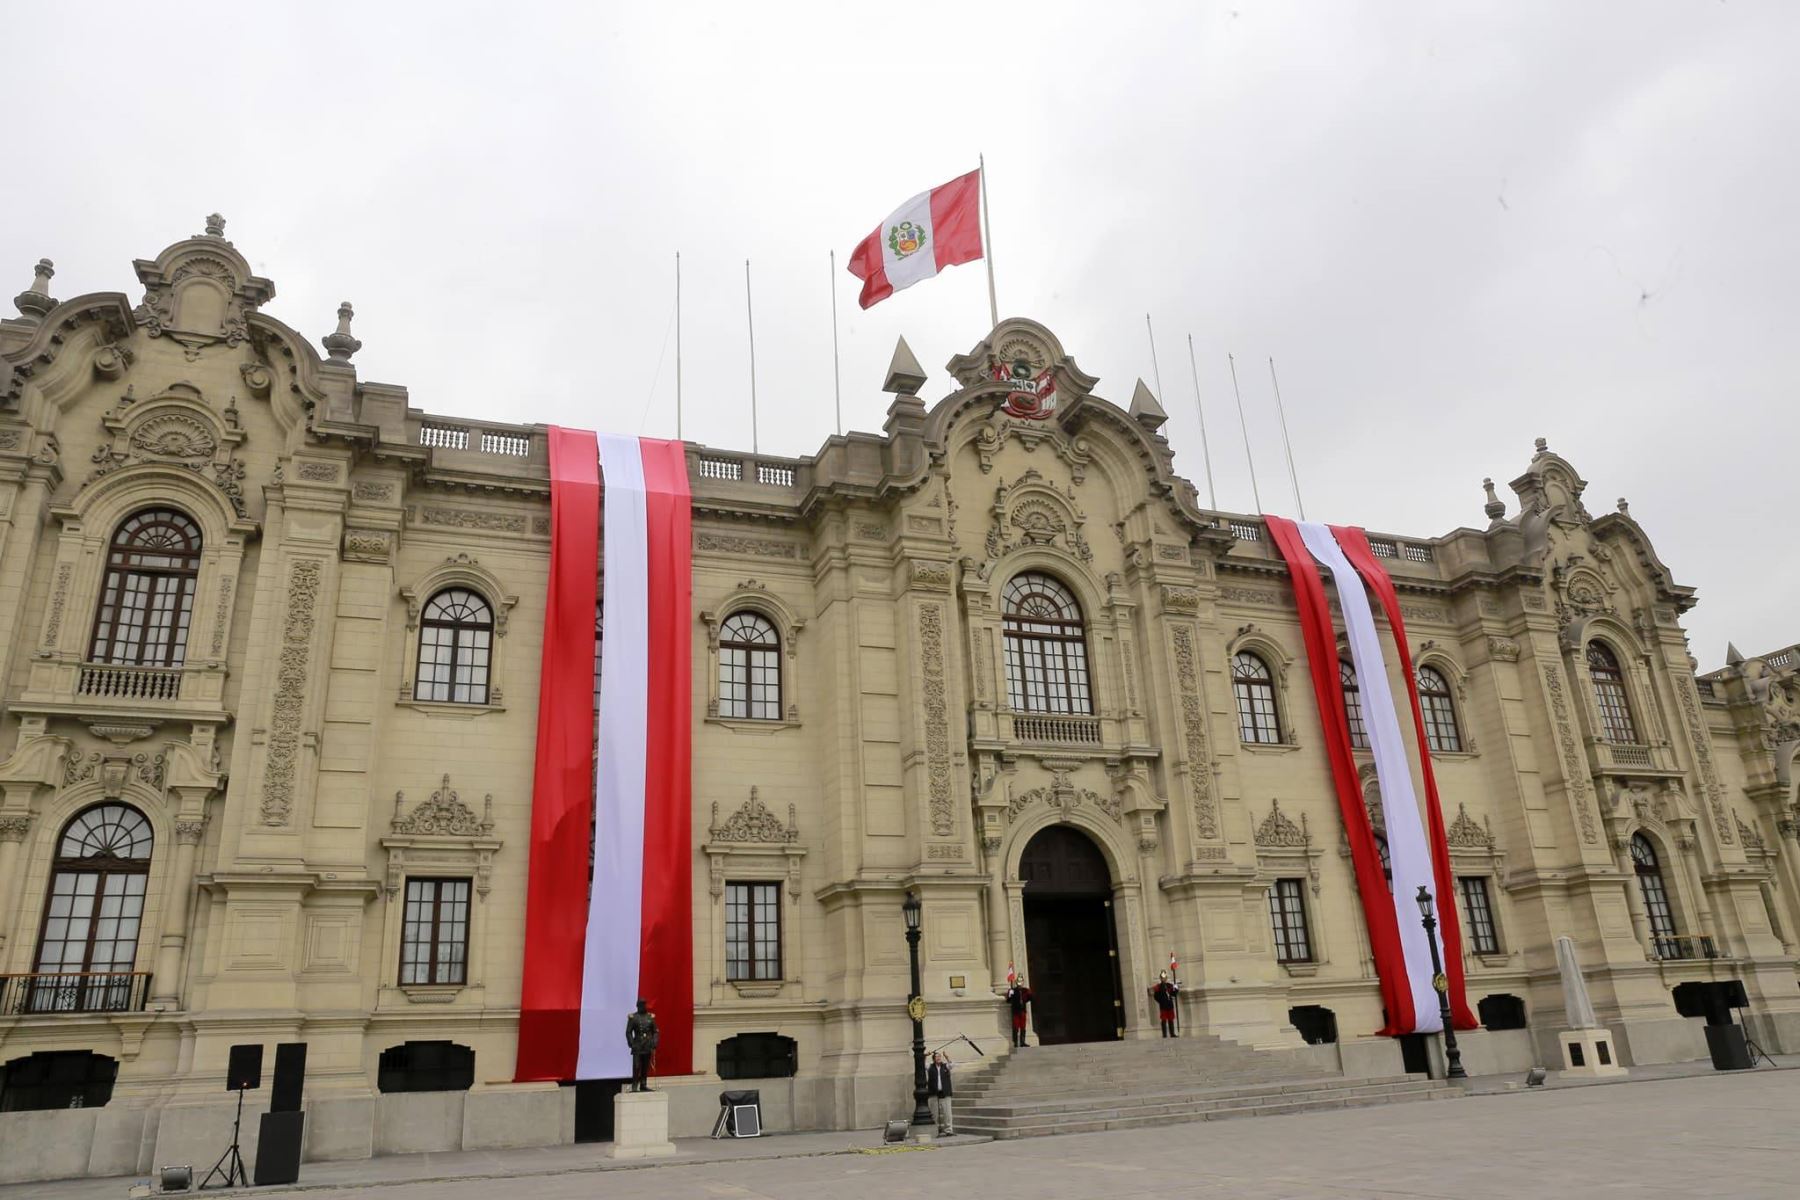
{"type": "Point", "coordinates": [1071, 945]}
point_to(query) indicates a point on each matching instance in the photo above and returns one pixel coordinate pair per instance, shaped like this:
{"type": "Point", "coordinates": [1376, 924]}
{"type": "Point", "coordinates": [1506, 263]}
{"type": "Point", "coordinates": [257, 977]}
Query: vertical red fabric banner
{"type": "Point", "coordinates": [562, 794]}
{"type": "Point", "coordinates": [666, 958]}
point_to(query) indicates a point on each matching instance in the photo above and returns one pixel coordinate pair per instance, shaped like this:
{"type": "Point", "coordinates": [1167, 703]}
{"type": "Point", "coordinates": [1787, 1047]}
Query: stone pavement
{"type": "Point", "coordinates": [1694, 1135]}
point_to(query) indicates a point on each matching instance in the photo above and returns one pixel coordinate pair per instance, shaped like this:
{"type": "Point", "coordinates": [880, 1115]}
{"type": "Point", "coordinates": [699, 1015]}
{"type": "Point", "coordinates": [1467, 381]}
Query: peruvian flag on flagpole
{"type": "Point", "coordinates": [936, 229]}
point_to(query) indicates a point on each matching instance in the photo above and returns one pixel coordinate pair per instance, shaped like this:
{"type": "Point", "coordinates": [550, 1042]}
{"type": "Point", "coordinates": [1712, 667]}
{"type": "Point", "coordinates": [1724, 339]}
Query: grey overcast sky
{"type": "Point", "coordinates": [1456, 227]}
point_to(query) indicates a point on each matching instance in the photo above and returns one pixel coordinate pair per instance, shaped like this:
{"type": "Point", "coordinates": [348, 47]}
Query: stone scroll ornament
{"type": "Point", "coordinates": [591, 953]}
{"type": "Point", "coordinates": [1418, 847]}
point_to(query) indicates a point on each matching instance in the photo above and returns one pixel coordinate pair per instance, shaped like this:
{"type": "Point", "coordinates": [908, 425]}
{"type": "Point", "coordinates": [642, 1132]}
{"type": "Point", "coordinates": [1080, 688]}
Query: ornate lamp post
{"type": "Point", "coordinates": [914, 912]}
{"type": "Point", "coordinates": [1440, 984]}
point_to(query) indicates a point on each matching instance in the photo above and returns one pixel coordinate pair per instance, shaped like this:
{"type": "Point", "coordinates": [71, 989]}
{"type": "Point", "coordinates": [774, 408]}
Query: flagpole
{"type": "Point", "coordinates": [987, 243]}
{"type": "Point", "coordinates": [750, 323]}
{"type": "Point", "coordinates": [1205, 450]}
{"type": "Point", "coordinates": [678, 346]}
{"type": "Point", "coordinates": [1293, 476]}
{"type": "Point", "coordinates": [1255, 492]}
{"type": "Point", "coordinates": [1155, 367]}
{"type": "Point", "coordinates": [837, 387]}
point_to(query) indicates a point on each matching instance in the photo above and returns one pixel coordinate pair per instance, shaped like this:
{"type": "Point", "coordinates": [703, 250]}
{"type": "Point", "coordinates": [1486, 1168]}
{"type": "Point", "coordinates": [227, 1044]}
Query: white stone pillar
{"type": "Point", "coordinates": [166, 985]}
{"type": "Point", "coordinates": [13, 828]}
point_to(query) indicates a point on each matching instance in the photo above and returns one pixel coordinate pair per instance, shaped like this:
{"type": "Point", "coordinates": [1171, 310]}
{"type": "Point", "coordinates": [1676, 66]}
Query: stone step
{"type": "Point", "coordinates": [1019, 1107]}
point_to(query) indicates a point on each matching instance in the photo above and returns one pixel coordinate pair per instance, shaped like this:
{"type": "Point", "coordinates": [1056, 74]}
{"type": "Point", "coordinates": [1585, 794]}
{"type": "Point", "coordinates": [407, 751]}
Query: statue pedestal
{"type": "Point", "coordinates": [1589, 1054]}
{"type": "Point", "coordinates": [641, 1125]}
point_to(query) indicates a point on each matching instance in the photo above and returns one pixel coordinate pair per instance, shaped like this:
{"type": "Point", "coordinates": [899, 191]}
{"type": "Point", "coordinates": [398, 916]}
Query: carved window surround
{"type": "Point", "coordinates": [1431, 654]}
{"type": "Point", "coordinates": [444, 839]}
{"type": "Point", "coordinates": [754, 846]}
{"type": "Point", "coordinates": [459, 570]}
{"type": "Point", "coordinates": [1252, 638]}
{"type": "Point", "coordinates": [1475, 851]}
{"type": "Point", "coordinates": [1286, 850]}
{"type": "Point", "coordinates": [755, 596]}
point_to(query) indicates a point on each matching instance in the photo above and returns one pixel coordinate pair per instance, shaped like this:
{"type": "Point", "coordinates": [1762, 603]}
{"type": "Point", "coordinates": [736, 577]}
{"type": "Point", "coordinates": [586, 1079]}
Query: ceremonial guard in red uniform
{"type": "Point", "coordinates": [1018, 998]}
{"type": "Point", "coordinates": [1164, 994]}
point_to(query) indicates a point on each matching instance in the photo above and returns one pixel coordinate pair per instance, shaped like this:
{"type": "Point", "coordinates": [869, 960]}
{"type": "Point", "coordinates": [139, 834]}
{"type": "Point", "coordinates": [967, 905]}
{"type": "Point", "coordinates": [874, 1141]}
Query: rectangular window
{"type": "Point", "coordinates": [434, 940]}
{"type": "Point", "coordinates": [752, 931]}
{"type": "Point", "coordinates": [1287, 913]}
{"type": "Point", "coordinates": [1483, 937]}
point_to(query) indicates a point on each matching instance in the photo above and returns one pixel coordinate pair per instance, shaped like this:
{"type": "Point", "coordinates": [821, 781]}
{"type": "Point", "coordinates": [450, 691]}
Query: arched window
{"type": "Point", "coordinates": [89, 940]}
{"type": "Point", "coordinates": [1359, 733]}
{"type": "Point", "coordinates": [1254, 686]}
{"type": "Point", "coordinates": [1609, 693]}
{"type": "Point", "coordinates": [1656, 897]}
{"type": "Point", "coordinates": [749, 668]}
{"type": "Point", "coordinates": [456, 632]}
{"type": "Point", "coordinates": [148, 595]}
{"type": "Point", "coordinates": [1387, 860]}
{"type": "Point", "coordinates": [1441, 732]}
{"type": "Point", "coordinates": [1046, 647]}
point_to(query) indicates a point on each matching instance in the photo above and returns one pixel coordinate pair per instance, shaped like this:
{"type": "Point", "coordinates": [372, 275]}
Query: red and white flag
{"type": "Point", "coordinates": [593, 948]}
{"type": "Point", "coordinates": [1012, 976]}
{"type": "Point", "coordinates": [936, 229]}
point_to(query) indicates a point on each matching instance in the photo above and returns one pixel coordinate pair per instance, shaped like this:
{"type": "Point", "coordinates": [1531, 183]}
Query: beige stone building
{"type": "Point", "coordinates": [269, 638]}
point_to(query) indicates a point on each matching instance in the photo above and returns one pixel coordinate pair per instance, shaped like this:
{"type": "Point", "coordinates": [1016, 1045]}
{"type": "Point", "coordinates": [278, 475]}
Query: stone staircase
{"type": "Point", "coordinates": [1086, 1088]}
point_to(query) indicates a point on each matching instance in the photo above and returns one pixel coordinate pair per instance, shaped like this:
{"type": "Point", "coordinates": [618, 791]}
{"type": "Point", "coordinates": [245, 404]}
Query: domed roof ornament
{"type": "Point", "coordinates": [215, 226]}
{"type": "Point", "coordinates": [35, 301]}
{"type": "Point", "coordinates": [340, 345]}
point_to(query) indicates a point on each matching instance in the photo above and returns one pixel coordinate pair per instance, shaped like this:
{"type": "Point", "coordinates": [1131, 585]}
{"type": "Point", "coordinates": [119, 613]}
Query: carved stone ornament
{"type": "Point", "coordinates": [1065, 799]}
{"type": "Point", "coordinates": [287, 714]}
{"type": "Point", "coordinates": [930, 576]}
{"type": "Point", "coordinates": [444, 815]}
{"type": "Point", "coordinates": [1503, 649]}
{"type": "Point", "coordinates": [14, 828]}
{"type": "Point", "coordinates": [1749, 836]}
{"type": "Point", "coordinates": [1465, 834]}
{"type": "Point", "coordinates": [1278, 829]}
{"type": "Point", "coordinates": [1574, 768]}
{"type": "Point", "coordinates": [1193, 721]}
{"type": "Point", "coordinates": [937, 718]}
{"type": "Point", "coordinates": [1031, 511]}
{"type": "Point", "coordinates": [173, 435]}
{"type": "Point", "coordinates": [753, 823]}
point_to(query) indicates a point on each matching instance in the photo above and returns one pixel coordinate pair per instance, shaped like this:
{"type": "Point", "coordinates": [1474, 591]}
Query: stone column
{"type": "Point", "coordinates": [13, 828]}
{"type": "Point", "coordinates": [1703, 917]}
{"type": "Point", "coordinates": [166, 986]}
{"type": "Point", "coordinates": [1634, 897]}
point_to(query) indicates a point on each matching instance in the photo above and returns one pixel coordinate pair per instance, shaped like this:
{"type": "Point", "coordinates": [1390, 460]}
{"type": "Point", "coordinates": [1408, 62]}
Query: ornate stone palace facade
{"type": "Point", "coordinates": [269, 639]}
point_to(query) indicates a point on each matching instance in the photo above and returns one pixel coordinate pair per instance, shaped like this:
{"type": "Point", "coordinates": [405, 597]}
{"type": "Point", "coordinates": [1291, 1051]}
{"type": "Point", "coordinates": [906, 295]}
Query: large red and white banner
{"type": "Point", "coordinates": [1418, 850]}
{"type": "Point", "coordinates": [595, 945]}
{"type": "Point", "coordinates": [936, 229]}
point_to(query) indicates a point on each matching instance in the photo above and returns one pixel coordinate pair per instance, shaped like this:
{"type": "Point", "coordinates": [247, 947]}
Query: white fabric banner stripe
{"type": "Point", "coordinates": [905, 270]}
{"type": "Point", "coordinates": [1409, 851]}
{"type": "Point", "coordinates": [609, 972]}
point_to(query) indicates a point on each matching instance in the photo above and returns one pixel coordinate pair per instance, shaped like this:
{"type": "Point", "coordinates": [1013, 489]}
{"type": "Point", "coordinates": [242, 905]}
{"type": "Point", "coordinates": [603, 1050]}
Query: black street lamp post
{"type": "Point", "coordinates": [1452, 1056]}
{"type": "Point", "coordinates": [914, 911]}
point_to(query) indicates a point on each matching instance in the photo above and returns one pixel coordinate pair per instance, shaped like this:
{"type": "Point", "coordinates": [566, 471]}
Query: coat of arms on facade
{"type": "Point", "coordinates": [1030, 394]}
{"type": "Point", "coordinates": [906, 238]}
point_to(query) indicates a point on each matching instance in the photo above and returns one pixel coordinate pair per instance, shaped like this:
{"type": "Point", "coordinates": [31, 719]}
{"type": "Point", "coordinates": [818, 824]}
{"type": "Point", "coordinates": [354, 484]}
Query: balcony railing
{"type": "Point", "coordinates": [1057, 731]}
{"type": "Point", "coordinates": [129, 683]}
{"type": "Point", "coordinates": [1626, 755]}
{"type": "Point", "coordinates": [74, 992]}
{"type": "Point", "coordinates": [1683, 946]}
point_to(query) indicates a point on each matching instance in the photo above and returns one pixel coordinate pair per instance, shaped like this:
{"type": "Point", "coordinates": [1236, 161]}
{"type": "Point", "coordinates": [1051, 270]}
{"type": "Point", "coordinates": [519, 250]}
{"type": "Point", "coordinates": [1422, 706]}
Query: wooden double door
{"type": "Point", "coordinates": [1071, 939]}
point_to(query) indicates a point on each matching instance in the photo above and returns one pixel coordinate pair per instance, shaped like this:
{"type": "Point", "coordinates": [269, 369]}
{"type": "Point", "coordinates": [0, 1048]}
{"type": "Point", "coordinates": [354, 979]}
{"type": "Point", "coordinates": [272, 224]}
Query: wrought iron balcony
{"type": "Point", "coordinates": [1042, 729]}
{"type": "Point", "coordinates": [1683, 946]}
{"type": "Point", "coordinates": [74, 992]}
{"type": "Point", "coordinates": [108, 682]}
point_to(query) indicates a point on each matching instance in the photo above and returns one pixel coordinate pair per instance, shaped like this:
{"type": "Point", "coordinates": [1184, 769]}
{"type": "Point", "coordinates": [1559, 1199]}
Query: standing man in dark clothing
{"type": "Point", "coordinates": [1018, 999]}
{"type": "Point", "coordinates": [641, 1035]}
{"type": "Point", "coordinates": [937, 1086]}
{"type": "Point", "coordinates": [1164, 993]}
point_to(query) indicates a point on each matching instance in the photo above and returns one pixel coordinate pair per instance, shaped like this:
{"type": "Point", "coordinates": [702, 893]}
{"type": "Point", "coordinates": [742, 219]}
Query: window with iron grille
{"type": "Point", "coordinates": [148, 594]}
{"type": "Point", "coordinates": [434, 938]}
{"type": "Point", "coordinates": [1441, 732]}
{"type": "Point", "coordinates": [1259, 722]}
{"type": "Point", "coordinates": [1656, 897]}
{"type": "Point", "coordinates": [1287, 913]}
{"type": "Point", "coordinates": [749, 668]}
{"type": "Point", "coordinates": [1046, 647]}
{"type": "Point", "coordinates": [1609, 694]}
{"type": "Point", "coordinates": [1484, 938]}
{"type": "Point", "coordinates": [1359, 733]}
{"type": "Point", "coordinates": [87, 947]}
{"type": "Point", "coordinates": [456, 633]}
{"type": "Point", "coordinates": [752, 931]}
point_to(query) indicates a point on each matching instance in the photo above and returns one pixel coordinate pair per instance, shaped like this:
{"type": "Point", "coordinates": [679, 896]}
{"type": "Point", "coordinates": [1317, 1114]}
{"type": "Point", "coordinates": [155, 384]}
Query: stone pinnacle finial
{"type": "Point", "coordinates": [36, 300]}
{"type": "Point", "coordinates": [904, 375]}
{"type": "Point", "coordinates": [1145, 409]}
{"type": "Point", "coordinates": [1495, 507]}
{"type": "Point", "coordinates": [1733, 656]}
{"type": "Point", "coordinates": [1624, 506]}
{"type": "Point", "coordinates": [1543, 445]}
{"type": "Point", "coordinates": [341, 344]}
{"type": "Point", "coordinates": [215, 226]}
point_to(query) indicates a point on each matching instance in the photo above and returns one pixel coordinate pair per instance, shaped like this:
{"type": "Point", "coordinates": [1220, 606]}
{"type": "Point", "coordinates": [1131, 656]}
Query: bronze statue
{"type": "Point", "coordinates": [641, 1036]}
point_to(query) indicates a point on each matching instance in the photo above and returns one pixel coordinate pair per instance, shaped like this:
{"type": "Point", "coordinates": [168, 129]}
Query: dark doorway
{"type": "Point", "coordinates": [1070, 944]}
{"type": "Point", "coordinates": [594, 1108]}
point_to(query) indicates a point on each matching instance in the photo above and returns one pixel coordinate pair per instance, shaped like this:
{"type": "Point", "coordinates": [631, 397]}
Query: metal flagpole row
{"type": "Point", "coordinates": [1212, 495]}
{"type": "Point", "coordinates": [1155, 367]}
{"type": "Point", "coordinates": [1255, 492]}
{"type": "Point", "coordinates": [750, 323]}
{"type": "Point", "coordinates": [678, 346]}
{"type": "Point", "coordinates": [837, 388]}
{"type": "Point", "coordinates": [987, 243]}
{"type": "Point", "coordinates": [1293, 476]}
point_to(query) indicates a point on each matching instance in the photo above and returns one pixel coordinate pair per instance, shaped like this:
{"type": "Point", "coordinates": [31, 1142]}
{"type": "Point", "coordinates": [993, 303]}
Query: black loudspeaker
{"type": "Point", "coordinates": [278, 1148]}
{"type": "Point", "coordinates": [1729, 1050]}
{"type": "Point", "coordinates": [290, 1077]}
{"type": "Point", "coordinates": [1735, 996]}
{"type": "Point", "coordinates": [245, 1068]}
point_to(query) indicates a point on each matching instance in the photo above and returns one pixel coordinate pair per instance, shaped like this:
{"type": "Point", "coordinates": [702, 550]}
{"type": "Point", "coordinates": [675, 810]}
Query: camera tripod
{"type": "Point", "coordinates": [230, 1167]}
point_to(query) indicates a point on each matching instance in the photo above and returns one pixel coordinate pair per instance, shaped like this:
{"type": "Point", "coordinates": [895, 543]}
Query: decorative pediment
{"type": "Point", "coordinates": [444, 815]}
{"type": "Point", "coordinates": [1278, 829]}
{"type": "Point", "coordinates": [753, 823]}
{"type": "Point", "coordinates": [1466, 834]}
{"type": "Point", "coordinates": [1031, 511]}
{"type": "Point", "coordinates": [200, 290]}
{"type": "Point", "coordinates": [175, 427]}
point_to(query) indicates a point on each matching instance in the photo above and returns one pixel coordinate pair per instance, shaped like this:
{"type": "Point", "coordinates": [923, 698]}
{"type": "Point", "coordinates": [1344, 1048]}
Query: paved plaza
{"type": "Point", "coordinates": [1712, 1135]}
